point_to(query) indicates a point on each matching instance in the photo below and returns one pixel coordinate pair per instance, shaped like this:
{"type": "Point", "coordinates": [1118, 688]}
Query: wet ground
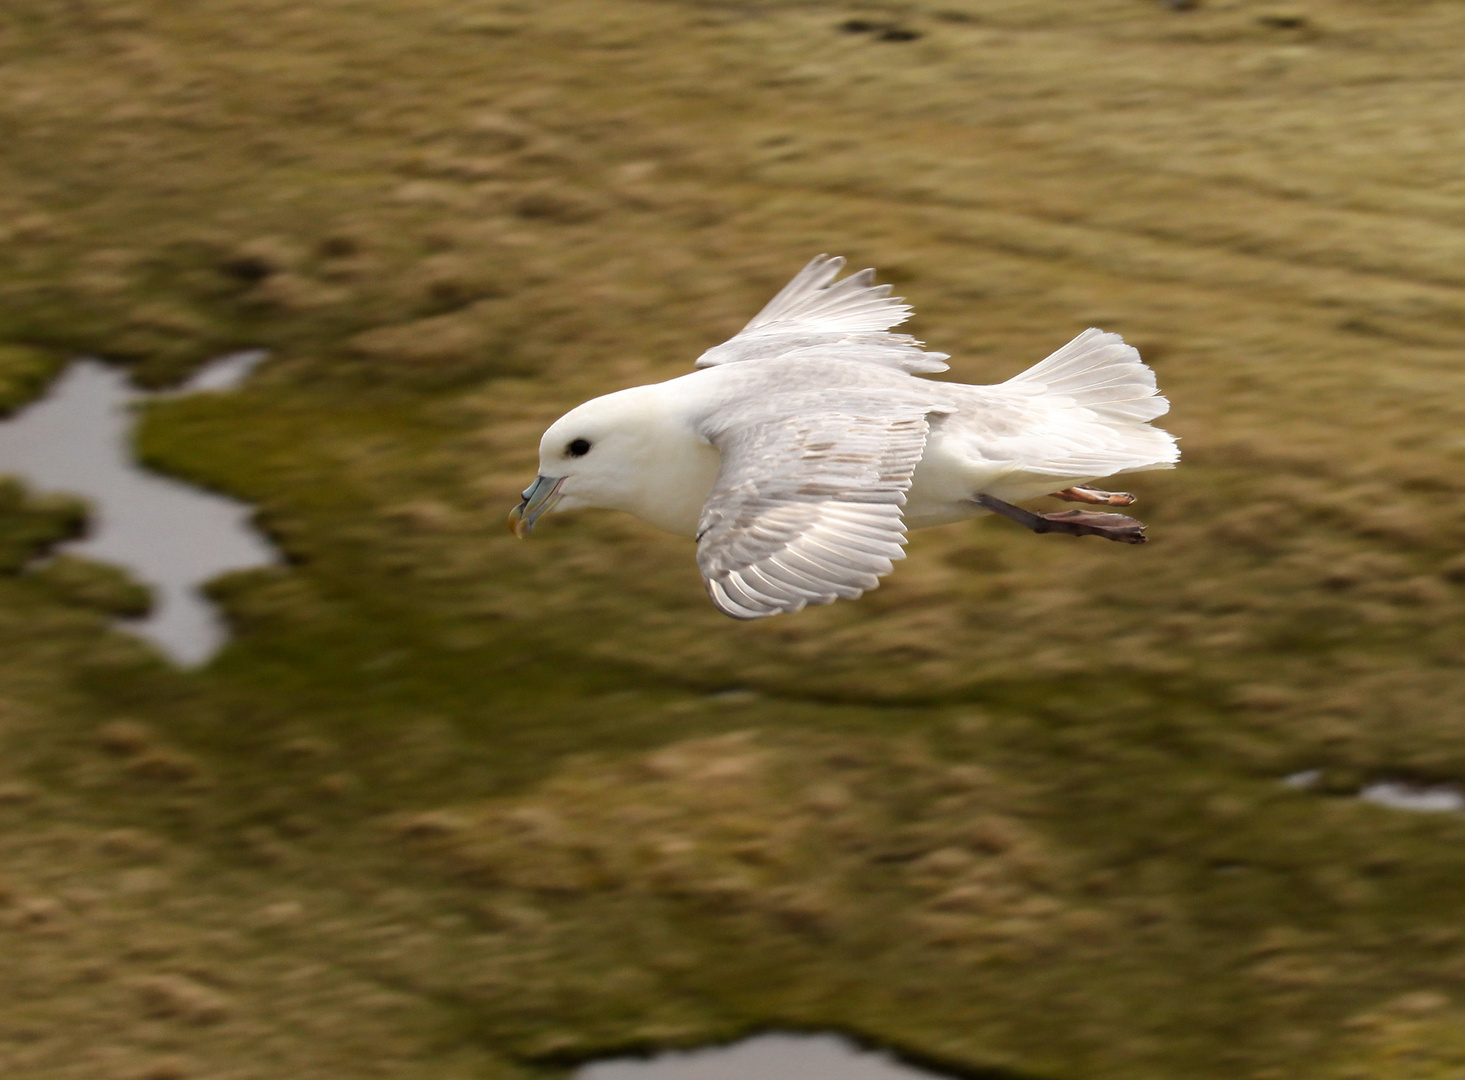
{"type": "Point", "coordinates": [171, 536]}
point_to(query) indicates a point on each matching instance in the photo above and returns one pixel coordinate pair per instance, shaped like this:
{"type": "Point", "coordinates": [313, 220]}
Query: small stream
{"type": "Point", "coordinates": [169, 535]}
{"type": "Point", "coordinates": [763, 1057]}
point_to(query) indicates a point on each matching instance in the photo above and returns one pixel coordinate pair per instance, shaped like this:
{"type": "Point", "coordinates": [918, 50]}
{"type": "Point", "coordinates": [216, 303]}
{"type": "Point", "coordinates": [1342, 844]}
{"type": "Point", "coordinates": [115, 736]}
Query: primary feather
{"type": "Point", "coordinates": [815, 311]}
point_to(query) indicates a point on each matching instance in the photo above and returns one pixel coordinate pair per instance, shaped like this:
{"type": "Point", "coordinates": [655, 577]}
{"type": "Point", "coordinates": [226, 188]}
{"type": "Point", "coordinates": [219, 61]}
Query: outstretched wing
{"type": "Point", "coordinates": [815, 310]}
{"type": "Point", "coordinates": [807, 504]}
{"type": "Point", "coordinates": [813, 300]}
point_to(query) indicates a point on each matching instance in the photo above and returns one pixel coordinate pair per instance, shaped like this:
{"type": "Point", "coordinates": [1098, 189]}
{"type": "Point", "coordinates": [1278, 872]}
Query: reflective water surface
{"type": "Point", "coordinates": [170, 535]}
{"type": "Point", "coordinates": [1395, 794]}
{"type": "Point", "coordinates": [1430, 800]}
{"type": "Point", "coordinates": [763, 1057]}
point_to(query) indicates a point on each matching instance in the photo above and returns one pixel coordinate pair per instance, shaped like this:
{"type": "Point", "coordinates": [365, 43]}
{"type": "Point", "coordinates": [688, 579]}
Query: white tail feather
{"type": "Point", "coordinates": [1100, 372]}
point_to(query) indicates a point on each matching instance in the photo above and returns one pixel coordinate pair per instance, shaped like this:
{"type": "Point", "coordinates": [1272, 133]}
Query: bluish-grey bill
{"type": "Point", "coordinates": [538, 498]}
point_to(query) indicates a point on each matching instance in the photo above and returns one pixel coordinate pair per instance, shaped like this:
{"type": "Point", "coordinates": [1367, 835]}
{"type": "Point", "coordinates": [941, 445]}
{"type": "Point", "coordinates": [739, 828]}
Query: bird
{"type": "Point", "coordinates": [800, 451]}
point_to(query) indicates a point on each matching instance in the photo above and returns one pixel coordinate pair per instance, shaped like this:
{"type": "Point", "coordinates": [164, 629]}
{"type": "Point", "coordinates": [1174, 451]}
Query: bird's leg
{"type": "Point", "coordinates": [1073, 522]}
{"type": "Point", "coordinates": [1093, 495]}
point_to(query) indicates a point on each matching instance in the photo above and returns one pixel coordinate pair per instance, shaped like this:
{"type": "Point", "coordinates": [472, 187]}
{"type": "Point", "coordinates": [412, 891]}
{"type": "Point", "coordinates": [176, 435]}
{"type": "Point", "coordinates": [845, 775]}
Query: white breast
{"type": "Point", "coordinates": [678, 485]}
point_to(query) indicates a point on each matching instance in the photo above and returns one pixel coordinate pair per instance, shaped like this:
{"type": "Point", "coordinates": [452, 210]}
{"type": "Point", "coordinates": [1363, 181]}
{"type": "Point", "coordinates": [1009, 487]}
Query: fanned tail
{"type": "Point", "coordinates": [1100, 372]}
{"type": "Point", "coordinates": [1100, 398]}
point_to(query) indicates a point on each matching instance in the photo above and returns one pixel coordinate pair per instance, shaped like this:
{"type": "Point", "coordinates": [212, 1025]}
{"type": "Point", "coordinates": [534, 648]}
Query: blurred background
{"type": "Point", "coordinates": [410, 798]}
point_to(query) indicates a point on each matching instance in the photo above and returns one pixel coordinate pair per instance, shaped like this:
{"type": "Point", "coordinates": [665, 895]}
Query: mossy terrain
{"type": "Point", "coordinates": [451, 805]}
{"type": "Point", "coordinates": [97, 585]}
{"type": "Point", "coordinates": [23, 373]}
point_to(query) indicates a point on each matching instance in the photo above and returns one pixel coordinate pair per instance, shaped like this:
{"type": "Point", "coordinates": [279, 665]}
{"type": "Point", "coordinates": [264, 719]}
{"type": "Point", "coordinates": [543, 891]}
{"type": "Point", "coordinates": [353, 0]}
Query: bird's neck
{"type": "Point", "coordinates": [678, 471]}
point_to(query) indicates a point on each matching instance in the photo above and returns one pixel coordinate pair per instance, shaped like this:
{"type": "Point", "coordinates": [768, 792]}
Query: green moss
{"type": "Point", "coordinates": [29, 524]}
{"type": "Point", "coordinates": [24, 372]}
{"type": "Point", "coordinates": [99, 586]}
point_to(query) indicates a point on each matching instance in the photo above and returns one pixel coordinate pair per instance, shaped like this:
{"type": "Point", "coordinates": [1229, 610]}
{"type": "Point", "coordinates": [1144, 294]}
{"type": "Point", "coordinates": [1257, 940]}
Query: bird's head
{"type": "Point", "coordinates": [603, 453]}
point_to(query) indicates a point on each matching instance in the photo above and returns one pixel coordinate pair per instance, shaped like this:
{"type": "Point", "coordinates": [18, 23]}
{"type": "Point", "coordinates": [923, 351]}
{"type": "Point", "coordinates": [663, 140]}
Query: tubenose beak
{"type": "Point", "coordinates": [538, 498]}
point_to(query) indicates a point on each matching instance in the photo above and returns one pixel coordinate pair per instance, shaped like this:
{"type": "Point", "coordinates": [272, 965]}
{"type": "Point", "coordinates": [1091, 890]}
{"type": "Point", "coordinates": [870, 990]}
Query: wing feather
{"type": "Point", "coordinates": [813, 300]}
{"type": "Point", "coordinates": [807, 504]}
{"type": "Point", "coordinates": [815, 311]}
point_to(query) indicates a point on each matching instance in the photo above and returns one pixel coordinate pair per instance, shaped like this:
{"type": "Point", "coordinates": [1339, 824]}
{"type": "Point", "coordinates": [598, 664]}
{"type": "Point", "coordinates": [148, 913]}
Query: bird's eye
{"type": "Point", "coordinates": [578, 448]}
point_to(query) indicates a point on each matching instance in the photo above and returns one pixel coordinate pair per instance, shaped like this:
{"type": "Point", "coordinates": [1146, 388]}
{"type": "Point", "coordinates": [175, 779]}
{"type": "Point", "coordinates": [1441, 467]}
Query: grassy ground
{"type": "Point", "coordinates": [456, 806]}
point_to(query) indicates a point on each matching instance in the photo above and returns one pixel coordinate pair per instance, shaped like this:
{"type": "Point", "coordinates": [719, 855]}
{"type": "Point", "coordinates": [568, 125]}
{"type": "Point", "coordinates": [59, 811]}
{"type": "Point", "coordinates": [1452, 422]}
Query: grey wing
{"type": "Point", "coordinates": [815, 310]}
{"type": "Point", "coordinates": [807, 504]}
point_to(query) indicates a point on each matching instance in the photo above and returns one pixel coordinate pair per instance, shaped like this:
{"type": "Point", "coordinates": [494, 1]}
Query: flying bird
{"type": "Point", "coordinates": [803, 448]}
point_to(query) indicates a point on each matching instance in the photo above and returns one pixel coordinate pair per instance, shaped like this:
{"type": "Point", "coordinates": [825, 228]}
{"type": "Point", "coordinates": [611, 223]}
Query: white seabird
{"type": "Point", "coordinates": [805, 446]}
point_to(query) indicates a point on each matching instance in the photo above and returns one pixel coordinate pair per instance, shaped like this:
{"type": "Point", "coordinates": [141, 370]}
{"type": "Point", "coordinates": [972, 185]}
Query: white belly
{"type": "Point", "coordinates": [950, 474]}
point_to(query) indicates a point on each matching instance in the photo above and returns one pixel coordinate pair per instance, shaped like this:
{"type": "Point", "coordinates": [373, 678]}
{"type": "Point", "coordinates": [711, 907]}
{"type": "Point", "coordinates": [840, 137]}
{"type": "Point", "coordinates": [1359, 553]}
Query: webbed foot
{"type": "Point", "coordinates": [1094, 495]}
{"type": "Point", "coordinates": [1126, 530]}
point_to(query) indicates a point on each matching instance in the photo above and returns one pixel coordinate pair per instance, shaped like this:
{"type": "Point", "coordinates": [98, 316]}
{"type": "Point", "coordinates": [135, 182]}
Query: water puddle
{"type": "Point", "coordinates": [1429, 800]}
{"type": "Point", "coordinates": [224, 374]}
{"type": "Point", "coordinates": [1305, 780]}
{"type": "Point", "coordinates": [1396, 795]}
{"type": "Point", "coordinates": [763, 1057]}
{"type": "Point", "coordinates": [170, 535]}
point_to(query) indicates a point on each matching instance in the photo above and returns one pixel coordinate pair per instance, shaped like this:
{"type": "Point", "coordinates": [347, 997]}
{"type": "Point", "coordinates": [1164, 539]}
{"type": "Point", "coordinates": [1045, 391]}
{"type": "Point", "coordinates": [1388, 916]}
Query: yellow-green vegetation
{"type": "Point", "coordinates": [31, 523]}
{"type": "Point", "coordinates": [100, 586]}
{"type": "Point", "coordinates": [23, 372]}
{"type": "Point", "coordinates": [456, 806]}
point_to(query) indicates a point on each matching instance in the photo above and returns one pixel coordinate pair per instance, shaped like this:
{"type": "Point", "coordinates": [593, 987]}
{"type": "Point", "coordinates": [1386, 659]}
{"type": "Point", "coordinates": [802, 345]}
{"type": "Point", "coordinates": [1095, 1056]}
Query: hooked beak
{"type": "Point", "coordinates": [538, 497]}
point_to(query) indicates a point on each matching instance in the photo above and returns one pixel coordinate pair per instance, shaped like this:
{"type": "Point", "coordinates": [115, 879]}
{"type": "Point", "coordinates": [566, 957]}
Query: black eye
{"type": "Point", "coordinates": [578, 448]}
